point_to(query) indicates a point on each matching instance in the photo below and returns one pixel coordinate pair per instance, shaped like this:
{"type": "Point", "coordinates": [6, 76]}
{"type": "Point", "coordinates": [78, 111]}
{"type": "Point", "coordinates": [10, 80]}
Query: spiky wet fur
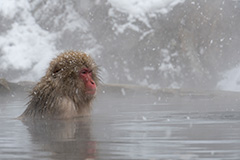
{"type": "Point", "coordinates": [60, 93]}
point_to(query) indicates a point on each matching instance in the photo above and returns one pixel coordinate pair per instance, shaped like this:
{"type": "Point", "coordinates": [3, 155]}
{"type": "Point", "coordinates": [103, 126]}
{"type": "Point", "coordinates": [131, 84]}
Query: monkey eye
{"type": "Point", "coordinates": [84, 71]}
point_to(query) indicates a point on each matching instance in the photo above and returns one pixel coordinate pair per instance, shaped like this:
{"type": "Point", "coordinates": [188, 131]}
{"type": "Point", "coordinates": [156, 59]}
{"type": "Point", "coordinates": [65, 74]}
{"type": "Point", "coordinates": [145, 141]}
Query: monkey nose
{"type": "Point", "coordinates": [92, 82]}
{"type": "Point", "coordinates": [91, 88]}
{"type": "Point", "coordinates": [91, 85]}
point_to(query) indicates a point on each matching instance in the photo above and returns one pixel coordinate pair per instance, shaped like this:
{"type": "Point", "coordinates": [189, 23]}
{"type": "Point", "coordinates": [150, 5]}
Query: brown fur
{"type": "Point", "coordinates": [61, 93]}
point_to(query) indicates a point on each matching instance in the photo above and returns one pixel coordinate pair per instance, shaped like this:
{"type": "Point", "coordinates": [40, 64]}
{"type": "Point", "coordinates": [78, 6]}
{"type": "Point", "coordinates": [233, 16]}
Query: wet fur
{"type": "Point", "coordinates": [61, 93]}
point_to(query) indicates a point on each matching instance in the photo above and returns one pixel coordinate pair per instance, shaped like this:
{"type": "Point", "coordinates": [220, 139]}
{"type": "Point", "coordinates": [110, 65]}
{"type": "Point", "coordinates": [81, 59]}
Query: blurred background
{"type": "Point", "coordinates": [156, 43]}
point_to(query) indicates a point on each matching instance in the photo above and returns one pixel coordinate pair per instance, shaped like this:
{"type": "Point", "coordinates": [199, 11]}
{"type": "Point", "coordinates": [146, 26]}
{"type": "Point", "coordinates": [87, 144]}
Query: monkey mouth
{"type": "Point", "coordinates": [91, 92]}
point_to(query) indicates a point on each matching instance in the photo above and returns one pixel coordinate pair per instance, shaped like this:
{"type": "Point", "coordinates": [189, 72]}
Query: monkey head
{"type": "Point", "coordinates": [76, 71]}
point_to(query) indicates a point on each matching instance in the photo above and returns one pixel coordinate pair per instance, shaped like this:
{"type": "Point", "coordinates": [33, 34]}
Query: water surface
{"type": "Point", "coordinates": [122, 126]}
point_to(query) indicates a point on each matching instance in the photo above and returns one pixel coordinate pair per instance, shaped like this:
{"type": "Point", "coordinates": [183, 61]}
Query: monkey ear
{"type": "Point", "coordinates": [55, 70]}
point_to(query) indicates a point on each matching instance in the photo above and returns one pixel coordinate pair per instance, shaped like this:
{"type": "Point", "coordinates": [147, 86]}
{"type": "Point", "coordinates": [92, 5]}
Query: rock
{"type": "Point", "coordinates": [4, 87]}
{"type": "Point", "coordinates": [13, 89]}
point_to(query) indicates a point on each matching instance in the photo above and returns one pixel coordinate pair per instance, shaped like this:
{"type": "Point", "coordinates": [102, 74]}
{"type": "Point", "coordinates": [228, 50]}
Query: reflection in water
{"type": "Point", "coordinates": [65, 139]}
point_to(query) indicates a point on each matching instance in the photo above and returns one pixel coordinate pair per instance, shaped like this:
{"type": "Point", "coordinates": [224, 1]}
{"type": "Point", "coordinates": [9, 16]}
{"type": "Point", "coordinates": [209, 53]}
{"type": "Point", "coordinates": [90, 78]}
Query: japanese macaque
{"type": "Point", "coordinates": [67, 89]}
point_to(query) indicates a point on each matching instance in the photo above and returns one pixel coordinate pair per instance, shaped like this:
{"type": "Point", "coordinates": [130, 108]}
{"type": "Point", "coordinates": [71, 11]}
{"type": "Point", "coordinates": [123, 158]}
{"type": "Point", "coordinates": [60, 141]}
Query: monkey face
{"type": "Point", "coordinates": [86, 76]}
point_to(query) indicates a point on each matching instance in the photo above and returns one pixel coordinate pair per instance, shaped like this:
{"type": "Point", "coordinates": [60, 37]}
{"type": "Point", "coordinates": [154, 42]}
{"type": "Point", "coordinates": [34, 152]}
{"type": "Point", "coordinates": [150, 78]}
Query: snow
{"type": "Point", "coordinates": [231, 80]}
{"type": "Point", "coordinates": [25, 46]}
{"type": "Point", "coordinates": [123, 91]}
{"type": "Point", "coordinates": [139, 8]}
{"type": "Point", "coordinates": [9, 8]}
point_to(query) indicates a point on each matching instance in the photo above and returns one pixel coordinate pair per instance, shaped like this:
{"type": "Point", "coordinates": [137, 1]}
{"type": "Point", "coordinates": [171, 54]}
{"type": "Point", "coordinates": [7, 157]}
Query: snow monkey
{"type": "Point", "coordinates": [67, 89]}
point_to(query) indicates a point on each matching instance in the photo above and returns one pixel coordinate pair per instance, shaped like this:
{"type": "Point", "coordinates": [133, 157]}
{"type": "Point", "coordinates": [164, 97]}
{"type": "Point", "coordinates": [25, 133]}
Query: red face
{"type": "Point", "coordinates": [90, 85]}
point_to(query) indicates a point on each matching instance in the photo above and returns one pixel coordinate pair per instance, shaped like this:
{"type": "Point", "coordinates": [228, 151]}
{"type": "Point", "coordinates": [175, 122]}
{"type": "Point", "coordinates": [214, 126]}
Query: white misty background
{"type": "Point", "coordinates": [167, 43]}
